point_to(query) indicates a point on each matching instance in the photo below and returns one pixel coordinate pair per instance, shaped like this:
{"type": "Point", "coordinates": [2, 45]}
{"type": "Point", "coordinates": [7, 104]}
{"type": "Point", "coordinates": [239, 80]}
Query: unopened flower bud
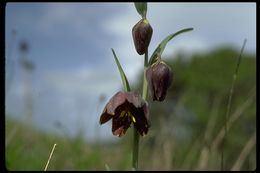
{"type": "Point", "coordinates": [159, 77]}
{"type": "Point", "coordinates": [142, 34]}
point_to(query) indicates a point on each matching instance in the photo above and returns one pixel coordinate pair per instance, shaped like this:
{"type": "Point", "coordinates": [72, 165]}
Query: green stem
{"type": "Point", "coordinates": [136, 135]}
{"type": "Point", "coordinates": [145, 81]}
{"type": "Point", "coordinates": [135, 150]}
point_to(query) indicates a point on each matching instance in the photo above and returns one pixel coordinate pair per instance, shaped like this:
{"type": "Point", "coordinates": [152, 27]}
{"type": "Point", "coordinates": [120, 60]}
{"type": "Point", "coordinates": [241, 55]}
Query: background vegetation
{"type": "Point", "coordinates": [187, 128]}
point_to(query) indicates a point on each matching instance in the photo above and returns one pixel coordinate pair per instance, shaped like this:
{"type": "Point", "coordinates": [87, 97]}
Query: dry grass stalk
{"type": "Point", "coordinates": [244, 153]}
{"type": "Point", "coordinates": [53, 148]}
{"type": "Point", "coordinates": [232, 119]}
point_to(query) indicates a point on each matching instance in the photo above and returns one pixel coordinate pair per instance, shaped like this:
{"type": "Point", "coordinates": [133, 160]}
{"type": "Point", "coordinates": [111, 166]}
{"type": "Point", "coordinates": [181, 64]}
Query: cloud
{"type": "Point", "coordinates": [214, 23]}
{"type": "Point", "coordinates": [83, 80]}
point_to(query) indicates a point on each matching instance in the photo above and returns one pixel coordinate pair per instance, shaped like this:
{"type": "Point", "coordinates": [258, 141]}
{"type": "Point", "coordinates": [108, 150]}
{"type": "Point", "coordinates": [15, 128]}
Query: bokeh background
{"type": "Point", "coordinates": [60, 72]}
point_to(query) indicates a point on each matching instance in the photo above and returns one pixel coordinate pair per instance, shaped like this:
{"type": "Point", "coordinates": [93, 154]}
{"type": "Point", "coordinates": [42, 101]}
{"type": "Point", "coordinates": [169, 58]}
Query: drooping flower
{"type": "Point", "coordinates": [126, 108]}
{"type": "Point", "coordinates": [159, 77]}
{"type": "Point", "coordinates": [142, 34]}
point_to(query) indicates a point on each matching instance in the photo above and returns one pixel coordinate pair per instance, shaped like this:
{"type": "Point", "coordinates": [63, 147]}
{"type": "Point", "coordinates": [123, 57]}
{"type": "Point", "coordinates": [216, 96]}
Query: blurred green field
{"type": "Point", "coordinates": [29, 149]}
{"type": "Point", "coordinates": [186, 132]}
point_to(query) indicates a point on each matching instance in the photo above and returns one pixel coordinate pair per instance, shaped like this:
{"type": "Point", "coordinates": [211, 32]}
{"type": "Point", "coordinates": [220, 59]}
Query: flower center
{"type": "Point", "coordinates": [127, 114]}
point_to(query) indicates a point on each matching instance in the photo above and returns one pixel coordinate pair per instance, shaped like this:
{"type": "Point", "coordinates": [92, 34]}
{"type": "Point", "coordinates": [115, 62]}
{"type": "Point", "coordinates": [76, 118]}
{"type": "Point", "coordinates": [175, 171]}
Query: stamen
{"type": "Point", "coordinates": [131, 115]}
{"type": "Point", "coordinates": [122, 113]}
{"type": "Point", "coordinates": [133, 118]}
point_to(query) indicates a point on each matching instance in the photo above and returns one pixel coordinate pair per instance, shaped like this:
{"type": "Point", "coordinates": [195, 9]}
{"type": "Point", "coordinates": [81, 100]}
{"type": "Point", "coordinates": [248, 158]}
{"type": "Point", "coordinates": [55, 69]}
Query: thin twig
{"type": "Point", "coordinates": [229, 104]}
{"type": "Point", "coordinates": [53, 148]}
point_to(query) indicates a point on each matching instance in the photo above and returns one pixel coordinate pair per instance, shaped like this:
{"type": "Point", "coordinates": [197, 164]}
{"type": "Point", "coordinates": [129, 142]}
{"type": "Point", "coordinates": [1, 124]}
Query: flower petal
{"type": "Point", "coordinates": [120, 125]}
{"type": "Point", "coordinates": [119, 132]}
{"type": "Point", "coordinates": [135, 99]}
{"type": "Point", "coordinates": [149, 74]}
{"type": "Point", "coordinates": [159, 77]}
{"type": "Point", "coordinates": [141, 116]}
{"type": "Point", "coordinates": [109, 110]}
{"type": "Point", "coordinates": [104, 118]}
{"type": "Point", "coordinates": [117, 100]}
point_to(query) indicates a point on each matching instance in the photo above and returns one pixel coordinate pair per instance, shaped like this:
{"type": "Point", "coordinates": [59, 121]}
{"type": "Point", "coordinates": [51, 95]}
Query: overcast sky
{"type": "Point", "coordinates": [70, 45]}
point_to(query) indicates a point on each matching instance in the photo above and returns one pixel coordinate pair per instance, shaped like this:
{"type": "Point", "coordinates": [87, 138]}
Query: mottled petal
{"type": "Point", "coordinates": [142, 34]}
{"type": "Point", "coordinates": [162, 79]}
{"type": "Point", "coordinates": [104, 118]}
{"type": "Point", "coordinates": [120, 125]}
{"type": "Point", "coordinates": [119, 132]}
{"type": "Point", "coordinates": [118, 99]}
{"type": "Point", "coordinates": [146, 113]}
{"type": "Point", "coordinates": [149, 74]}
{"type": "Point", "coordinates": [109, 111]}
{"type": "Point", "coordinates": [142, 123]}
{"type": "Point", "coordinates": [159, 77]}
{"type": "Point", "coordinates": [135, 99]}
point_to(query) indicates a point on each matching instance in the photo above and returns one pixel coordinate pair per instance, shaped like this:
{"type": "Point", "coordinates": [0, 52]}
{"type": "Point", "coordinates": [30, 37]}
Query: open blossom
{"type": "Point", "coordinates": [126, 108]}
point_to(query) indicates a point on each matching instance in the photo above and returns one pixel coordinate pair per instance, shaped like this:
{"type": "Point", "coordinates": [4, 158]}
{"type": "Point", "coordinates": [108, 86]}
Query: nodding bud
{"type": "Point", "coordinates": [142, 34]}
{"type": "Point", "coordinates": [159, 77]}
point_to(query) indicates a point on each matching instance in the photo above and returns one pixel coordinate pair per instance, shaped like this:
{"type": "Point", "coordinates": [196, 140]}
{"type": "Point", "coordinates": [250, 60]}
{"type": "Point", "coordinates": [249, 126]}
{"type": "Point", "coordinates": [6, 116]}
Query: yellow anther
{"type": "Point", "coordinates": [131, 115]}
{"type": "Point", "coordinates": [122, 113]}
{"type": "Point", "coordinates": [133, 118]}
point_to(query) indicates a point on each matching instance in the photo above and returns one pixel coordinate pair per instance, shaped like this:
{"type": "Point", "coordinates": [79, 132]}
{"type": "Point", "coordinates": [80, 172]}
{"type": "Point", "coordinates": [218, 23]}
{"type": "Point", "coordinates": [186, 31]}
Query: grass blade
{"type": "Point", "coordinates": [122, 74]}
{"type": "Point", "coordinates": [244, 153]}
{"type": "Point", "coordinates": [229, 104]}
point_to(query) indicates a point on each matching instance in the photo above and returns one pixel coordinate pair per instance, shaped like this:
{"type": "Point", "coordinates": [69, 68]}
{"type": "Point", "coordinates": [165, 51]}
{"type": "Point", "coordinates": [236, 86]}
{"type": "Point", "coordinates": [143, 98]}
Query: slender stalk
{"type": "Point", "coordinates": [145, 81]}
{"type": "Point", "coordinates": [46, 166]}
{"type": "Point", "coordinates": [136, 135]}
{"type": "Point", "coordinates": [229, 104]}
{"type": "Point", "coordinates": [135, 150]}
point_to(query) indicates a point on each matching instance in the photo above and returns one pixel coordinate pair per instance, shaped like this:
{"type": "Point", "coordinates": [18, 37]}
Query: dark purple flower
{"type": "Point", "coordinates": [142, 34]}
{"type": "Point", "coordinates": [126, 108]}
{"type": "Point", "coordinates": [159, 77]}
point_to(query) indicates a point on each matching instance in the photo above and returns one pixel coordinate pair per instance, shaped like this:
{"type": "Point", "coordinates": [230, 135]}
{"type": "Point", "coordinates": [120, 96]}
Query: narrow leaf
{"type": "Point", "coordinates": [141, 8]}
{"type": "Point", "coordinates": [160, 48]}
{"type": "Point", "coordinates": [122, 74]}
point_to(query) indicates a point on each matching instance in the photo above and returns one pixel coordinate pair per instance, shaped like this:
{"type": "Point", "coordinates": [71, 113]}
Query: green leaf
{"type": "Point", "coordinates": [141, 8]}
{"type": "Point", "coordinates": [123, 76]}
{"type": "Point", "coordinates": [160, 48]}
